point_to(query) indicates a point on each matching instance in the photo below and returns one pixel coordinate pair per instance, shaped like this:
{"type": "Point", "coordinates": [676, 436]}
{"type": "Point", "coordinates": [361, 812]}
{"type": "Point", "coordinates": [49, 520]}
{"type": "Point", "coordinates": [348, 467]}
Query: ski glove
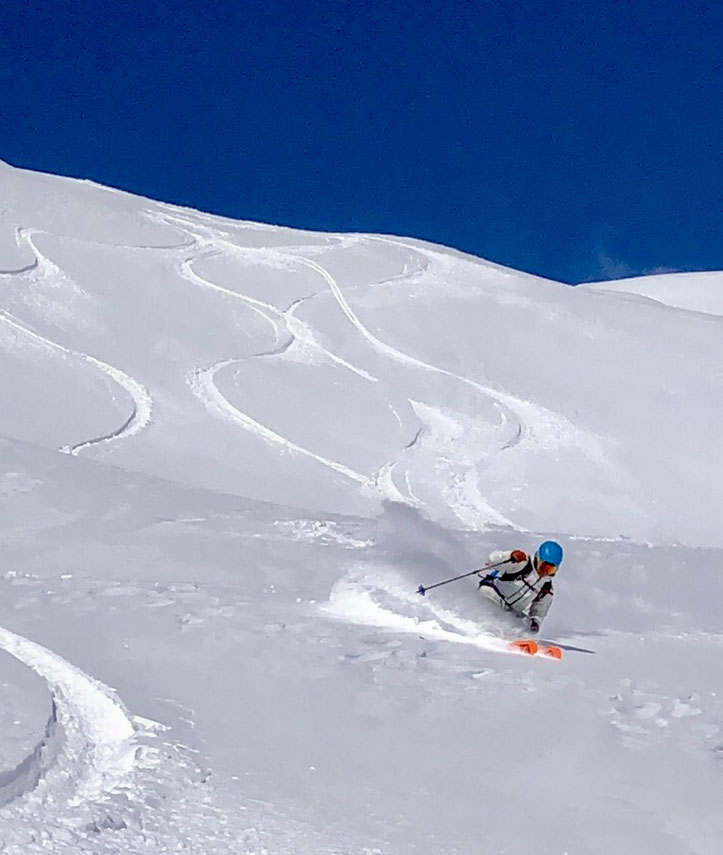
{"type": "Point", "coordinates": [534, 626]}
{"type": "Point", "coordinates": [517, 556]}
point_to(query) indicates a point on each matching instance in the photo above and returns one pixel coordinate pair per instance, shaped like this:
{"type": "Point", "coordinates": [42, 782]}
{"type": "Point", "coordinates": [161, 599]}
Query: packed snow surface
{"type": "Point", "coordinates": [231, 452]}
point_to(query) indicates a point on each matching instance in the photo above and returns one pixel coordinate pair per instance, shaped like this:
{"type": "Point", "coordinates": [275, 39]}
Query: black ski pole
{"type": "Point", "coordinates": [422, 590]}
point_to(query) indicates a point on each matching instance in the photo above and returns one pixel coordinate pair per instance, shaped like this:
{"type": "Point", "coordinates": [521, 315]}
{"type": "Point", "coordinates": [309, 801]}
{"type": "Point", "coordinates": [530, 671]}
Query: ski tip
{"type": "Point", "coordinates": [421, 590]}
{"type": "Point", "coordinates": [551, 651]}
{"type": "Point", "coordinates": [532, 648]}
{"type": "Point", "coordinates": [525, 645]}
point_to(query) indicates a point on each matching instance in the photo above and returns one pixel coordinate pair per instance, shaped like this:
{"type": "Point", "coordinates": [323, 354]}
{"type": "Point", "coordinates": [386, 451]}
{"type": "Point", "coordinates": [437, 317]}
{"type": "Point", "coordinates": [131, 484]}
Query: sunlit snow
{"type": "Point", "coordinates": [231, 452]}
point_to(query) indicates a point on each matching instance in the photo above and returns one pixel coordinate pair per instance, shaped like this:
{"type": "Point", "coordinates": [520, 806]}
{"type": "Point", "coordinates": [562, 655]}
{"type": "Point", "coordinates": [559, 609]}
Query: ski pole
{"type": "Point", "coordinates": [422, 590]}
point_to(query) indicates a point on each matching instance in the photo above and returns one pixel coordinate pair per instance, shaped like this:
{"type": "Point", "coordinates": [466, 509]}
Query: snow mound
{"type": "Point", "coordinates": [697, 292]}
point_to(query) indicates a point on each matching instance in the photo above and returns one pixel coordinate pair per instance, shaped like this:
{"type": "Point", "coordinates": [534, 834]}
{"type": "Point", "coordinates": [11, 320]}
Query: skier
{"type": "Point", "coordinates": [527, 591]}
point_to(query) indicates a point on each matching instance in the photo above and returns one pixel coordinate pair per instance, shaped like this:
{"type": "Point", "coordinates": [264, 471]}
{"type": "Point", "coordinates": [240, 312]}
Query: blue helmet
{"type": "Point", "coordinates": [551, 552]}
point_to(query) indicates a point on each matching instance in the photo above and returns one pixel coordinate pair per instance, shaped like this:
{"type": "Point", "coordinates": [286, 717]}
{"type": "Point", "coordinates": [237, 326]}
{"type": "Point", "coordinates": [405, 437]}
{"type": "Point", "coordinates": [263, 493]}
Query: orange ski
{"type": "Point", "coordinates": [532, 648]}
{"type": "Point", "coordinates": [525, 645]}
{"type": "Point", "coordinates": [551, 651]}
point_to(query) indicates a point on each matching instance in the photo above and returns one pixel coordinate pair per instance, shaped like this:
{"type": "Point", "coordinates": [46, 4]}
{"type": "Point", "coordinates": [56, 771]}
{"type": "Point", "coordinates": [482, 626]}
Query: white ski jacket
{"type": "Point", "coordinates": [521, 588]}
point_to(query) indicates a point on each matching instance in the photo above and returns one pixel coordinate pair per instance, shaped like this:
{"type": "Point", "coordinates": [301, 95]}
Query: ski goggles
{"type": "Point", "coordinates": [545, 568]}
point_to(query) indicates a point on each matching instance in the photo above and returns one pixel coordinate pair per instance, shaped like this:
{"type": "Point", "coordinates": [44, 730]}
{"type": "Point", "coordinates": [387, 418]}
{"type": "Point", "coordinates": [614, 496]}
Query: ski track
{"type": "Point", "coordinates": [384, 478]}
{"type": "Point", "coordinates": [289, 332]}
{"type": "Point", "coordinates": [299, 334]}
{"type": "Point", "coordinates": [385, 484]}
{"type": "Point", "coordinates": [424, 259]}
{"type": "Point", "coordinates": [514, 405]}
{"type": "Point", "coordinates": [528, 422]}
{"type": "Point", "coordinates": [263, 310]}
{"type": "Point", "coordinates": [141, 411]}
{"type": "Point", "coordinates": [285, 324]}
{"type": "Point", "coordinates": [95, 754]}
{"type": "Point", "coordinates": [532, 424]}
{"type": "Point", "coordinates": [103, 781]}
{"type": "Point", "coordinates": [202, 385]}
{"type": "Point", "coordinates": [140, 415]}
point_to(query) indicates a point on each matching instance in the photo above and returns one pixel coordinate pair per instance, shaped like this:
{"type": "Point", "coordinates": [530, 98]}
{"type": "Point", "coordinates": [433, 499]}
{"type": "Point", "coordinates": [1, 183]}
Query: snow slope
{"type": "Point", "coordinates": [230, 452]}
{"type": "Point", "coordinates": [698, 292]}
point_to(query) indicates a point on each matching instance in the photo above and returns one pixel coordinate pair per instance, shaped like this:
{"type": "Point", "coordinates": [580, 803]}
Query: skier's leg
{"type": "Point", "coordinates": [539, 608]}
{"type": "Point", "coordinates": [491, 594]}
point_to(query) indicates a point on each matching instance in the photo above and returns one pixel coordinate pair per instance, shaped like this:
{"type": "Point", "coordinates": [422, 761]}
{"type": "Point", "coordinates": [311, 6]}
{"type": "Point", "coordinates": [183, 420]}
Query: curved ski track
{"type": "Point", "coordinates": [289, 332]}
{"type": "Point", "coordinates": [533, 424]}
{"type": "Point", "coordinates": [101, 781]}
{"type": "Point", "coordinates": [95, 754]}
{"type": "Point", "coordinates": [209, 239]}
{"type": "Point", "coordinates": [141, 412]}
{"type": "Point", "coordinates": [520, 410]}
{"type": "Point", "coordinates": [202, 385]}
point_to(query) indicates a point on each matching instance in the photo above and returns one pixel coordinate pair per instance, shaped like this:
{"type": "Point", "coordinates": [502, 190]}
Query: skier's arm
{"type": "Point", "coordinates": [514, 556]}
{"type": "Point", "coordinates": [500, 555]}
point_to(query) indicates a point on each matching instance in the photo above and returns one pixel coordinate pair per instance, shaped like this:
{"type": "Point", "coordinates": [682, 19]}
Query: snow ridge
{"type": "Point", "coordinates": [26, 775]}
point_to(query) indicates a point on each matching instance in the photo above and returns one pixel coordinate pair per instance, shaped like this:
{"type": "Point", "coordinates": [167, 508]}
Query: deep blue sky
{"type": "Point", "coordinates": [576, 140]}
